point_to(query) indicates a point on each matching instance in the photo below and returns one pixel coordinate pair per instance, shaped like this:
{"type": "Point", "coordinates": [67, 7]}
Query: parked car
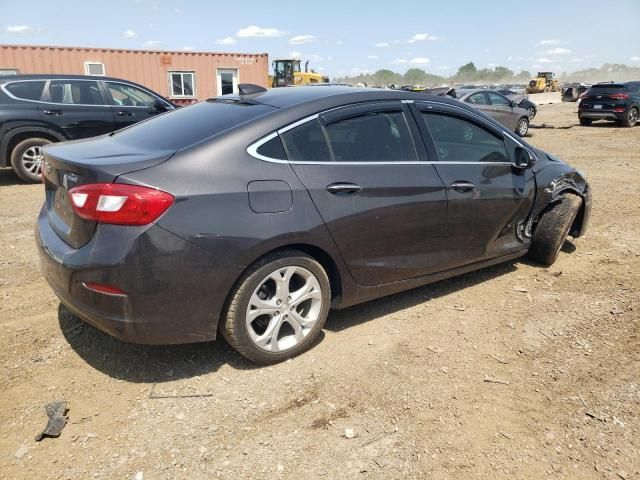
{"type": "Point", "coordinates": [572, 92]}
{"type": "Point", "coordinates": [521, 100]}
{"type": "Point", "coordinates": [253, 215]}
{"type": "Point", "coordinates": [619, 102]}
{"type": "Point", "coordinates": [36, 110]}
{"type": "Point", "coordinates": [499, 107]}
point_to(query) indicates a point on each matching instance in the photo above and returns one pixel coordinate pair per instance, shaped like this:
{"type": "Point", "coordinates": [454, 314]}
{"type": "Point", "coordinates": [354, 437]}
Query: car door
{"type": "Point", "coordinates": [131, 104]}
{"type": "Point", "coordinates": [76, 108]}
{"type": "Point", "coordinates": [489, 199]}
{"type": "Point", "coordinates": [502, 110]}
{"type": "Point", "coordinates": [383, 204]}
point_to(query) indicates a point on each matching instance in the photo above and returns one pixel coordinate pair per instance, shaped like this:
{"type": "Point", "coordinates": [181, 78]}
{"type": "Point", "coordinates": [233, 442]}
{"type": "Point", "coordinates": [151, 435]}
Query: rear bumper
{"type": "Point", "coordinates": [600, 115]}
{"type": "Point", "coordinates": [175, 291]}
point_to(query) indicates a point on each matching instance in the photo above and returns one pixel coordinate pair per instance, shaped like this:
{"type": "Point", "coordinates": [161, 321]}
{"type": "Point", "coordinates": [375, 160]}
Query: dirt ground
{"type": "Point", "coordinates": [407, 373]}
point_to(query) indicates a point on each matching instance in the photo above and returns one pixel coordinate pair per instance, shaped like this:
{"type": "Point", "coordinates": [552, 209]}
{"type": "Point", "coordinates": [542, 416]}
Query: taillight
{"type": "Point", "coordinates": [583, 96]}
{"type": "Point", "coordinates": [619, 96]}
{"type": "Point", "coordinates": [118, 203]}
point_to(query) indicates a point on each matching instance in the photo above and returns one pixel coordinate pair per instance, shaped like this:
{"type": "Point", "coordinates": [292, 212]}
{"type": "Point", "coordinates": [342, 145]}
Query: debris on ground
{"type": "Point", "coordinates": [57, 413]}
{"type": "Point", "coordinates": [348, 433]}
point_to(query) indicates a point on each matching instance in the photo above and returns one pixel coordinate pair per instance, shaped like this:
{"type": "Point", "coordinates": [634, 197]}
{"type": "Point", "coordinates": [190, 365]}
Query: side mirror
{"type": "Point", "coordinates": [513, 104]}
{"type": "Point", "coordinates": [523, 158]}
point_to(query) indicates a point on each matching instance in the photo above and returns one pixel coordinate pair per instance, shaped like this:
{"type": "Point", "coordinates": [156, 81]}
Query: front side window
{"type": "Point", "coordinates": [75, 92]}
{"type": "Point", "coordinates": [129, 96]}
{"type": "Point", "coordinates": [458, 140]}
{"type": "Point", "coordinates": [497, 99]}
{"type": "Point", "coordinates": [26, 90]}
{"type": "Point", "coordinates": [372, 137]}
{"type": "Point", "coordinates": [306, 143]}
{"type": "Point", "coordinates": [182, 84]}
{"type": "Point", "coordinates": [477, 99]}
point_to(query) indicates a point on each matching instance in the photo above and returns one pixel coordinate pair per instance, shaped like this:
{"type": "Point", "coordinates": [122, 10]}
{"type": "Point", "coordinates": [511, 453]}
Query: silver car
{"type": "Point", "coordinates": [499, 107]}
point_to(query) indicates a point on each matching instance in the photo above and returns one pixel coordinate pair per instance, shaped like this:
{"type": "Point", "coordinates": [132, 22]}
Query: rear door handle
{"type": "Point", "coordinates": [343, 188]}
{"type": "Point", "coordinates": [122, 113]}
{"type": "Point", "coordinates": [462, 186]}
{"type": "Point", "coordinates": [55, 113]}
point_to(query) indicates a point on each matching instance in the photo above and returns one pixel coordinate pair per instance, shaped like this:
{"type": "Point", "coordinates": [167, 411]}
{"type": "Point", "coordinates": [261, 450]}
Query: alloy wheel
{"type": "Point", "coordinates": [523, 127]}
{"type": "Point", "coordinates": [283, 309]}
{"type": "Point", "coordinates": [633, 117]}
{"type": "Point", "coordinates": [32, 160]}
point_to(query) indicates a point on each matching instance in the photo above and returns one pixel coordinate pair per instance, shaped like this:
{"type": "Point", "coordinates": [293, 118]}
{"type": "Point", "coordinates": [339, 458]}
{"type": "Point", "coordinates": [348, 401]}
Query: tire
{"type": "Point", "coordinates": [547, 89]}
{"type": "Point", "coordinates": [585, 121]}
{"type": "Point", "coordinates": [631, 118]}
{"type": "Point", "coordinates": [250, 337]}
{"type": "Point", "coordinates": [531, 112]}
{"type": "Point", "coordinates": [552, 229]}
{"type": "Point", "coordinates": [523, 127]}
{"type": "Point", "coordinates": [26, 159]}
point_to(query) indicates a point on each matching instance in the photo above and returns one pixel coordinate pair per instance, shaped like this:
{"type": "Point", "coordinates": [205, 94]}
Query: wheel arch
{"type": "Point", "coordinates": [14, 137]}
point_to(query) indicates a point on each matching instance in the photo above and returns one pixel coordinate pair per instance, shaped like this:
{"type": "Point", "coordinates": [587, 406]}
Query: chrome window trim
{"type": "Point", "coordinates": [252, 149]}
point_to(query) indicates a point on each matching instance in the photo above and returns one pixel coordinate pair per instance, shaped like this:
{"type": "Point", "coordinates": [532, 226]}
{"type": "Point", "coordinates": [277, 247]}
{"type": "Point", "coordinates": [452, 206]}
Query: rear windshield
{"type": "Point", "coordinates": [610, 88]}
{"type": "Point", "coordinates": [189, 125]}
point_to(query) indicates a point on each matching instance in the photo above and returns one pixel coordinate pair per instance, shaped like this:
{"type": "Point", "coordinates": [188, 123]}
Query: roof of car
{"type": "Point", "coordinates": [289, 97]}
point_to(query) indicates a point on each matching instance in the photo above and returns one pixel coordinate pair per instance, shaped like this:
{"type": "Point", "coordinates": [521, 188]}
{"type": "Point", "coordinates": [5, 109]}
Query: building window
{"type": "Point", "coordinates": [94, 68]}
{"type": "Point", "coordinates": [5, 72]}
{"type": "Point", "coordinates": [182, 84]}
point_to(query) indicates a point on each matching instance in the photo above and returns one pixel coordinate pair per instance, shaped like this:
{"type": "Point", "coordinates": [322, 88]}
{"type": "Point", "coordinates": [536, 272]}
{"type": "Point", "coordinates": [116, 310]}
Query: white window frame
{"type": "Point", "coordinates": [87, 72]}
{"type": "Point", "coordinates": [182, 73]}
{"type": "Point", "coordinates": [7, 72]}
{"type": "Point", "coordinates": [236, 79]}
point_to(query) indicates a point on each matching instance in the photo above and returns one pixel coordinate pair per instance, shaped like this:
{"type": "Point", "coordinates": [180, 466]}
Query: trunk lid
{"type": "Point", "coordinates": [100, 160]}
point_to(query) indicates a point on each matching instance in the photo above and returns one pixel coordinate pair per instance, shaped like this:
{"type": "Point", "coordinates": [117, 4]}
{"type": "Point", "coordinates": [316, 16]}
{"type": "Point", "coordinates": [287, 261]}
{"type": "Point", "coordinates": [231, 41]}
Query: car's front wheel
{"type": "Point", "coordinates": [552, 229]}
{"type": "Point", "coordinates": [26, 159]}
{"type": "Point", "coordinates": [523, 127]}
{"type": "Point", "coordinates": [278, 307]}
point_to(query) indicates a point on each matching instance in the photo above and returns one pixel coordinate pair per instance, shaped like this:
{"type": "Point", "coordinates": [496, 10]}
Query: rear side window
{"type": "Point", "coordinates": [477, 99]}
{"type": "Point", "coordinates": [372, 137]}
{"type": "Point", "coordinates": [186, 126]}
{"type": "Point", "coordinates": [26, 90]}
{"type": "Point", "coordinates": [273, 149]}
{"type": "Point", "coordinates": [458, 140]}
{"type": "Point", "coordinates": [75, 92]}
{"type": "Point", "coordinates": [306, 143]}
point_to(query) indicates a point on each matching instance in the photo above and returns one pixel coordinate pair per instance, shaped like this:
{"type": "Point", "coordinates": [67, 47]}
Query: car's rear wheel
{"type": "Point", "coordinates": [278, 307]}
{"type": "Point", "coordinates": [585, 121]}
{"type": "Point", "coordinates": [26, 159]}
{"type": "Point", "coordinates": [523, 127]}
{"type": "Point", "coordinates": [631, 118]}
{"type": "Point", "coordinates": [552, 229]}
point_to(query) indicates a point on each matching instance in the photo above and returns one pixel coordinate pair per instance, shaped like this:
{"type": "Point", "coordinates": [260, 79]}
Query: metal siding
{"type": "Point", "coordinates": [141, 66]}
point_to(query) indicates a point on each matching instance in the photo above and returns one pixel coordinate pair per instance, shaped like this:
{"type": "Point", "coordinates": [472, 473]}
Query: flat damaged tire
{"type": "Point", "coordinates": [552, 229]}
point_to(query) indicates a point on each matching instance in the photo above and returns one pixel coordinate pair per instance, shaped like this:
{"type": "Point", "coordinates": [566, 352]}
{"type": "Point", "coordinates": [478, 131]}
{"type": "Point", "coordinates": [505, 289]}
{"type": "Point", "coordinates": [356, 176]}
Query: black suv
{"type": "Point", "coordinates": [39, 109]}
{"type": "Point", "coordinates": [611, 101]}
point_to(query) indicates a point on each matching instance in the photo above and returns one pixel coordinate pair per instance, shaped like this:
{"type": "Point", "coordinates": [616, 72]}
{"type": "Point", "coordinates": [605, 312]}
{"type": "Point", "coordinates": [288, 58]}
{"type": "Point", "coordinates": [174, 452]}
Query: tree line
{"type": "Point", "coordinates": [469, 73]}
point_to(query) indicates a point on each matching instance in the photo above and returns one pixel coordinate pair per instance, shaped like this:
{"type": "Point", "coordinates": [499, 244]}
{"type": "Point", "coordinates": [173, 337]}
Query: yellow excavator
{"type": "Point", "coordinates": [544, 82]}
{"type": "Point", "coordinates": [287, 73]}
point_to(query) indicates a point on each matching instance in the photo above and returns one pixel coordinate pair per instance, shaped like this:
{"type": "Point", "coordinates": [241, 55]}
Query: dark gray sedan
{"type": "Point", "coordinates": [253, 215]}
{"type": "Point", "coordinates": [506, 111]}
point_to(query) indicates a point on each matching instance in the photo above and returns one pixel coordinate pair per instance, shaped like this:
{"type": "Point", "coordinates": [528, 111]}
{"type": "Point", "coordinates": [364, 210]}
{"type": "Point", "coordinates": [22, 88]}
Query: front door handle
{"type": "Point", "coordinates": [462, 186]}
{"type": "Point", "coordinates": [343, 188]}
{"type": "Point", "coordinates": [122, 113]}
{"type": "Point", "coordinates": [55, 113]}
